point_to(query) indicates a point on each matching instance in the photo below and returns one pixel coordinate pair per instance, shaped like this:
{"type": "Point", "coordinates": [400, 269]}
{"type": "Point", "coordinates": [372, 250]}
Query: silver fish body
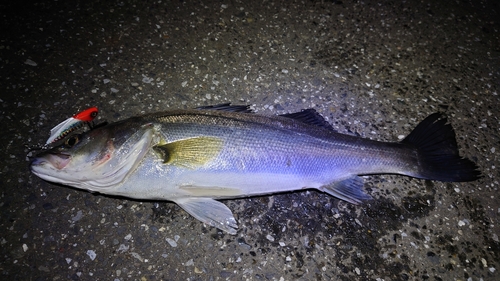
{"type": "Point", "coordinates": [192, 157]}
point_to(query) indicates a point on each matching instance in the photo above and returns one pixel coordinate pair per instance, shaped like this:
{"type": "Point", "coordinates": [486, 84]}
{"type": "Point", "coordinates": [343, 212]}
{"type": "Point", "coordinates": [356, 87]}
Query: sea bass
{"type": "Point", "coordinates": [195, 157]}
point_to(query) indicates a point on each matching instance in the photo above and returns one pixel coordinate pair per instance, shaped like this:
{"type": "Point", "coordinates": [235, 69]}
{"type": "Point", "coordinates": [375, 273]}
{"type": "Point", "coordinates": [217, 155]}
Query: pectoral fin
{"type": "Point", "coordinates": [210, 211]}
{"type": "Point", "coordinates": [190, 153]}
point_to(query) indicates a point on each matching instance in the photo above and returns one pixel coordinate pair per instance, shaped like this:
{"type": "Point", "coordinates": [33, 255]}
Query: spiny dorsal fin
{"type": "Point", "coordinates": [227, 107]}
{"type": "Point", "coordinates": [190, 153]}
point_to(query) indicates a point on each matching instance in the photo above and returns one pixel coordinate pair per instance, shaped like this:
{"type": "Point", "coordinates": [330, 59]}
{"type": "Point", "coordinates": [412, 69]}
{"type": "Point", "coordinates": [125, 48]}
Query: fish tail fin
{"type": "Point", "coordinates": [438, 157]}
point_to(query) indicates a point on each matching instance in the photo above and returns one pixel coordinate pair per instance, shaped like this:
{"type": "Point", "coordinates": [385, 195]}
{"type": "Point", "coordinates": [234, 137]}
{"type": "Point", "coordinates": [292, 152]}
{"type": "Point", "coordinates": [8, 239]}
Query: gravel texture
{"type": "Point", "coordinates": [372, 68]}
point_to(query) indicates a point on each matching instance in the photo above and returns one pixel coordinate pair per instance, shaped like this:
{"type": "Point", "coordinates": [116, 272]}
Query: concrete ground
{"type": "Point", "coordinates": [372, 68]}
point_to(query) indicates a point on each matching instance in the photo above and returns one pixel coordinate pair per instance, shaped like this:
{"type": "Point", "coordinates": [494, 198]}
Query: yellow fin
{"type": "Point", "coordinates": [190, 153]}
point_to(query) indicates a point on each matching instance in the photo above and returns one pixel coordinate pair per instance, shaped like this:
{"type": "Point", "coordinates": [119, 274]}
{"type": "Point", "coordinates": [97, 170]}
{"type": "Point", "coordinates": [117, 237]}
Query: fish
{"type": "Point", "coordinates": [197, 157]}
{"type": "Point", "coordinates": [71, 124]}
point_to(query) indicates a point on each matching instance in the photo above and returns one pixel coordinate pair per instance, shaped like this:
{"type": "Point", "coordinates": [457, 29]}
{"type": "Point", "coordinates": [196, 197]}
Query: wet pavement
{"type": "Point", "coordinates": [372, 68]}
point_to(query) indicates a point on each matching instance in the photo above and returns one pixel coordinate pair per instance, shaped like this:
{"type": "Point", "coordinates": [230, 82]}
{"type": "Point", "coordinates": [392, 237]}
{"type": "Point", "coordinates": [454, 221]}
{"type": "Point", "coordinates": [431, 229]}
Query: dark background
{"type": "Point", "coordinates": [372, 68]}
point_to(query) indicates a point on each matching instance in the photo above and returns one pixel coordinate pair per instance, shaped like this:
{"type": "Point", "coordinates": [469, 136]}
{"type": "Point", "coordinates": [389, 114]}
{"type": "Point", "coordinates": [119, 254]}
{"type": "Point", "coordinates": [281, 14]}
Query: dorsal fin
{"type": "Point", "coordinates": [227, 107]}
{"type": "Point", "coordinates": [308, 116]}
{"type": "Point", "coordinates": [311, 117]}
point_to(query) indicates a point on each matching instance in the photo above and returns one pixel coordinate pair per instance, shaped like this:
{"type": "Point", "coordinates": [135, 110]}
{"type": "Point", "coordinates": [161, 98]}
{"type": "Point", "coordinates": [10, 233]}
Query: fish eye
{"type": "Point", "coordinates": [72, 141]}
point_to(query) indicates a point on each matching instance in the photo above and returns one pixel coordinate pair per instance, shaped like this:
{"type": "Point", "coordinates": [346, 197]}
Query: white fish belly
{"type": "Point", "coordinates": [155, 180]}
{"type": "Point", "coordinates": [234, 185]}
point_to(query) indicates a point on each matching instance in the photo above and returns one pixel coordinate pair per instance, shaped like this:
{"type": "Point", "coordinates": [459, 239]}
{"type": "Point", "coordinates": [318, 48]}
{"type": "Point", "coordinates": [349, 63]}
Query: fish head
{"type": "Point", "coordinates": [95, 160]}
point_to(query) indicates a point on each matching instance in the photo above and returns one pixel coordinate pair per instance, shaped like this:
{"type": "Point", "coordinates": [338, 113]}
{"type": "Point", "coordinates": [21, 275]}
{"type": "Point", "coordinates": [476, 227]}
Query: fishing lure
{"type": "Point", "coordinates": [71, 124]}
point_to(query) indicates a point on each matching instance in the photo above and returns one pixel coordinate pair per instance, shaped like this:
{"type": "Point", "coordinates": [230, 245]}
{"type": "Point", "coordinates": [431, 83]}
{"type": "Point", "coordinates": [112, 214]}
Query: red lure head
{"type": "Point", "coordinates": [87, 115]}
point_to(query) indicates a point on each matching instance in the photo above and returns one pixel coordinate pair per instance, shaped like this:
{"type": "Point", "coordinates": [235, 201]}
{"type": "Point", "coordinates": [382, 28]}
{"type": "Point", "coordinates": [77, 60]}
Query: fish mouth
{"type": "Point", "coordinates": [49, 166]}
{"type": "Point", "coordinates": [56, 160]}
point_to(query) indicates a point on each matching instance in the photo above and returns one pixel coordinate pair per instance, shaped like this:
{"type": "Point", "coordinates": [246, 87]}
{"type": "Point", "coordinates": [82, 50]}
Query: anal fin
{"type": "Point", "coordinates": [350, 190]}
{"type": "Point", "coordinates": [211, 212]}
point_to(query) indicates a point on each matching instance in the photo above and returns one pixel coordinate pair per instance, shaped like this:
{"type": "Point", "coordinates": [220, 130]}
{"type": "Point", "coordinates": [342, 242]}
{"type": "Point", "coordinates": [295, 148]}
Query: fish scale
{"type": "Point", "coordinates": [288, 138]}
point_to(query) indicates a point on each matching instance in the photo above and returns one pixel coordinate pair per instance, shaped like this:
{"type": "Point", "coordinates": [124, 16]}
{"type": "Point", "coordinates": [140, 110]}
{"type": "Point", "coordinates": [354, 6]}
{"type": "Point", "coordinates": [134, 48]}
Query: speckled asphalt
{"type": "Point", "coordinates": [372, 68]}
